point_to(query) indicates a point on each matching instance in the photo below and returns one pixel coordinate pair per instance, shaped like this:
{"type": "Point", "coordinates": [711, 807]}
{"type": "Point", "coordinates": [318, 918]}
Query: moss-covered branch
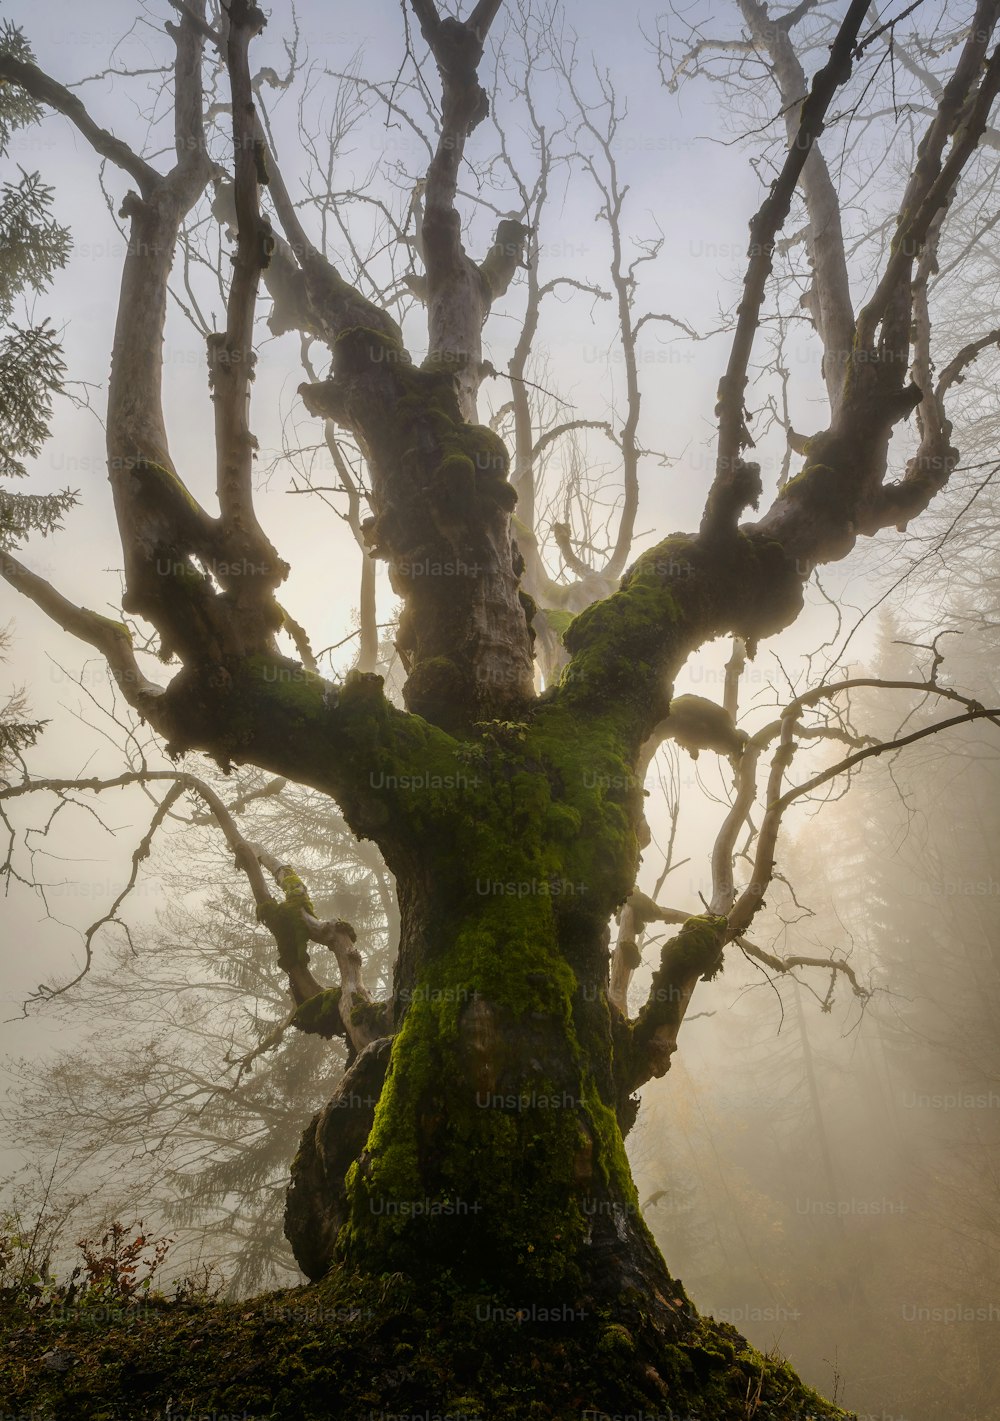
{"type": "Point", "coordinates": [693, 954]}
{"type": "Point", "coordinates": [346, 1010]}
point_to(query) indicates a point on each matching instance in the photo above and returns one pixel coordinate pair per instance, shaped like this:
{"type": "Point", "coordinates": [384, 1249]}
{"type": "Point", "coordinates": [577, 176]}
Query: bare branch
{"type": "Point", "coordinates": [788, 964]}
{"type": "Point", "coordinates": [459, 293]}
{"type": "Point", "coordinates": [737, 483]}
{"type": "Point", "coordinates": [962, 116]}
{"type": "Point", "coordinates": [752, 897]}
{"type": "Point", "coordinates": [253, 568]}
{"type": "Point", "coordinates": [54, 95]}
{"type": "Point", "coordinates": [110, 638]}
{"type": "Point", "coordinates": [829, 300]}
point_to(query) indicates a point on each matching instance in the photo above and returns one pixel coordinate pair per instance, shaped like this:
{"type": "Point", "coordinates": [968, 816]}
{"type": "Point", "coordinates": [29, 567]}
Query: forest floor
{"type": "Point", "coordinates": [353, 1348]}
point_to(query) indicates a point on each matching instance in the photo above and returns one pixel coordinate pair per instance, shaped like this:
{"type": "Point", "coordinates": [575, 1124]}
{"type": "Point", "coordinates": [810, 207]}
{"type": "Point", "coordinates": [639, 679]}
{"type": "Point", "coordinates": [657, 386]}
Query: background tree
{"type": "Point", "coordinates": [17, 732]}
{"type": "Point", "coordinates": [187, 1092]}
{"type": "Point", "coordinates": [857, 1206]}
{"type": "Point", "coordinates": [31, 368]}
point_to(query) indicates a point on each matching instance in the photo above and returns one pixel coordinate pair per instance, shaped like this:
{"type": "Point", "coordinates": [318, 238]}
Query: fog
{"type": "Point", "coordinates": [821, 1163]}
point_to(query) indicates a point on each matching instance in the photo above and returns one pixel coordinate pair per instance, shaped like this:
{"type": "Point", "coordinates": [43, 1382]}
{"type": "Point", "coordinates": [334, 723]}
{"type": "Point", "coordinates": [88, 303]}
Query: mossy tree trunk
{"type": "Point", "coordinates": [495, 1148]}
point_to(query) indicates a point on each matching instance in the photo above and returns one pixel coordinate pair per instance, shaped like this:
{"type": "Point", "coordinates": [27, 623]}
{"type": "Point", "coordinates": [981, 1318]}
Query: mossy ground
{"type": "Point", "coordinates": [372, 1349]}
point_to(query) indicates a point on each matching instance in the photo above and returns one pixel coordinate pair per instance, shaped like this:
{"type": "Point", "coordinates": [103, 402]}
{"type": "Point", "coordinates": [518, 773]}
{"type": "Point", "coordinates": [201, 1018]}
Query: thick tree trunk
{"type": "Point", "coordinates": [495, 1151]}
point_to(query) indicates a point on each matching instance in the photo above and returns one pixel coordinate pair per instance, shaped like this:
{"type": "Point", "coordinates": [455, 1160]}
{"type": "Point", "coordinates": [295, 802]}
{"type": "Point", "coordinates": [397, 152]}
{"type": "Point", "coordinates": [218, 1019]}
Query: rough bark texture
{"type": "Point", "coordinates": [315, 1210]}
{"type": "Point", "coordinates": [442, 503]}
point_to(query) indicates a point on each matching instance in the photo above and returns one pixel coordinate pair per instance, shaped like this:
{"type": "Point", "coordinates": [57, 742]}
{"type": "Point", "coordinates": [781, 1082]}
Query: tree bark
{"type": "Point", "coordinates": [495, 1151]}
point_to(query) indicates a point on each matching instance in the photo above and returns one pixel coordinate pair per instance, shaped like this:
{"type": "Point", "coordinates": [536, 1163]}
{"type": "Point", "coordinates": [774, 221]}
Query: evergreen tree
{"type": "Point", "coordinates": [33, 247]}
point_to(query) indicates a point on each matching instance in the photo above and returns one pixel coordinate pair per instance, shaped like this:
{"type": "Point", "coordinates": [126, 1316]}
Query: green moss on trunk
{"type": "Point", "coordinates": [496, 1140]}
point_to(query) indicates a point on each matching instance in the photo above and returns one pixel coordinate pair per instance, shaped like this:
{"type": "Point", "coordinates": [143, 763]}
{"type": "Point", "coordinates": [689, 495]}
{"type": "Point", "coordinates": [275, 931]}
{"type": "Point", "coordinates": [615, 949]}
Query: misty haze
{"type": "Point", "coordinates": [500, 711]}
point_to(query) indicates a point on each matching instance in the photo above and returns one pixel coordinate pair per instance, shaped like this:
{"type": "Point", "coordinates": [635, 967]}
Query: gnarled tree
{"type": "Point", "coordinates": [505, 1064]}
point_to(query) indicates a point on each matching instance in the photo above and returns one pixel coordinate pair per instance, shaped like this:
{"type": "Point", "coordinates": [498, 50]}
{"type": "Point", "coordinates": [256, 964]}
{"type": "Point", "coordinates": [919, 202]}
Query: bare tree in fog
{"type": "Point", "coordinates": [186, 1094]}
